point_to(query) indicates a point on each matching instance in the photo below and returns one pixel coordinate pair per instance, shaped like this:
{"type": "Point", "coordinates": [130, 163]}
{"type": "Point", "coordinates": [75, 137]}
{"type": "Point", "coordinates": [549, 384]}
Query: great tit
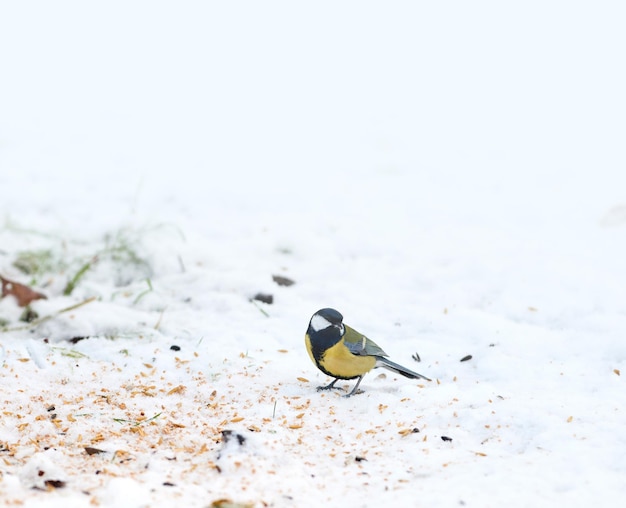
{"type": "Point", "coordinates": [343, 353]}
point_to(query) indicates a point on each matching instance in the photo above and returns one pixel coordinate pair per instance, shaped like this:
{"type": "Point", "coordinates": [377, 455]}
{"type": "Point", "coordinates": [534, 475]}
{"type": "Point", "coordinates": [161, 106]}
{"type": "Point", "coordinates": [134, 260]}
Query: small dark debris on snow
{"type": "Point", "coordinates": [416, 357]}
{"type": "Point", "coordinates": [415, 430]}
{"type": "Point", "coordinates": [446, 438]}
{"type": "Point", "coordinates": [76, 340]}
{"type": "Point", "coordinates": [466, 358]}
{"type": "Point", "coordinates": [50, 408]}
{"type": "Point", "coordinates": [57, 484]}
{"type": "Point", "coordinates": [283, 281]}
{"type": "Point", "coordinates": [264, 297]}
{"type": "Point", "coordinates": [492, 345]}
{"type": "Point", "coordinates": [360, 459]}
{"type": "Point", "coordinates": [93, 451]}
{"type": "Point", "coordinates": [169, 484]}
{"type": "Point", "coordinates": [229, 435]}
{"type": "Point", "coordinates": [175, 347]}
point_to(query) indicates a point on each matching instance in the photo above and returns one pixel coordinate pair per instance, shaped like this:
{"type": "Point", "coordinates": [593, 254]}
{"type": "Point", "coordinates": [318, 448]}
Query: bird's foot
{"type": "Point", "coordinates": [331, 386]}
{"type": "Point", "coordinates": [328, 387]}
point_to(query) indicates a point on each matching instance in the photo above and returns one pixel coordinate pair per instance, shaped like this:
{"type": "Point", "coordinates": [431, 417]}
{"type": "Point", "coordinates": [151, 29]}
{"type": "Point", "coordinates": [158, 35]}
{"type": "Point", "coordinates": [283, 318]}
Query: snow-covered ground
{"type": "Point", "coordinates": [450, 176]}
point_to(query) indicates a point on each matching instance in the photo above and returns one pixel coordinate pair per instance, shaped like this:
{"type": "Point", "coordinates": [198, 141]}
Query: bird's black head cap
{"type": "Point", "coordinates": [333, 316]}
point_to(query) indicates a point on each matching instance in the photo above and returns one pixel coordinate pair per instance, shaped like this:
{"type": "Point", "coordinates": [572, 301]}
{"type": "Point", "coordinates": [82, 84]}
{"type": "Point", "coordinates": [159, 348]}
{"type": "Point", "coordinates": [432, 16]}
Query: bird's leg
{"type": "Point", "coordinates": [356, 386]}
{"type": "Point", "coordinates": [330, 386]}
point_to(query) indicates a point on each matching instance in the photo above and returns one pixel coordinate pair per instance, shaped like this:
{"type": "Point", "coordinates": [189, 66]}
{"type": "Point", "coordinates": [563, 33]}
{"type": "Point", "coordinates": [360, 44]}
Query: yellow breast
{"type": "Point", "coordinates": [339, 362]}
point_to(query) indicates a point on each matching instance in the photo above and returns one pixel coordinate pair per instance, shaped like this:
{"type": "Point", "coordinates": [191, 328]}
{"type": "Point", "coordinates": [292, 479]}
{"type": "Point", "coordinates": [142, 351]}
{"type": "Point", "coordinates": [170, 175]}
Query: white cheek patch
{"type": "Point", "coordinates": [319, 323]}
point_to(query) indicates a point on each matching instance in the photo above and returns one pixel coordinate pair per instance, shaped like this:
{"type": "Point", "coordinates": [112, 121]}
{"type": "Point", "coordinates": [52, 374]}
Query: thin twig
{"type": "Point", "coordinates": [40, 320]}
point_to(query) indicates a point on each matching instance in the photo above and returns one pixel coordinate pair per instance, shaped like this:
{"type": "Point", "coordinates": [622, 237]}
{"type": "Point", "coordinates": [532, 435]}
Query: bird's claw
{"type": "Point", "coordinates": [328, 387]}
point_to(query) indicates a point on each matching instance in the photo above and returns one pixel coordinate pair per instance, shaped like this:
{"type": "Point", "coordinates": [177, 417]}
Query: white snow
{"type": "Point", "coordinates": [450, 176]}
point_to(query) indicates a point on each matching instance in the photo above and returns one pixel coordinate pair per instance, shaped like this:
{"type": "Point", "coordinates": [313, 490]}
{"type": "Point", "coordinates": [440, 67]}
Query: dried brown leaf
{"type": "Point", "coordinates": [23, 294]}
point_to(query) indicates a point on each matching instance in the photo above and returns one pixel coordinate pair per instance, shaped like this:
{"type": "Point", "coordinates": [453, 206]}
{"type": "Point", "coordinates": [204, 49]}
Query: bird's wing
{"type": "Point", "coordinates": [360, 345]}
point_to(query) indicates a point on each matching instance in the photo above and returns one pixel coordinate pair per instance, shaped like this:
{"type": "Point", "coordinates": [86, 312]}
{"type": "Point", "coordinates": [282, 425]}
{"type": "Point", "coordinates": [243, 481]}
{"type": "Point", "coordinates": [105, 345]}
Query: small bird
{"type": "Point", "coordinates": [343, 353]}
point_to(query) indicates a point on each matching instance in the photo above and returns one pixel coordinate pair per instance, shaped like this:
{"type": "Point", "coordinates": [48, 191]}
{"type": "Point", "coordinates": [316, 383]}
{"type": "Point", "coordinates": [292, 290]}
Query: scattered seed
{"type": "Point", "coordinates": [617, 372]}
{"type": "Point", "coordinates": [177, 389]}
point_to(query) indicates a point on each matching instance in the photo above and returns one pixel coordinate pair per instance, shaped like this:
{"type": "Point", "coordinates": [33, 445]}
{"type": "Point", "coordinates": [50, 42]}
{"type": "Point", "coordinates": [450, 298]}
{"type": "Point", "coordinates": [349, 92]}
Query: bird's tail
{"type": "Point", "coordinates": [381, 361]}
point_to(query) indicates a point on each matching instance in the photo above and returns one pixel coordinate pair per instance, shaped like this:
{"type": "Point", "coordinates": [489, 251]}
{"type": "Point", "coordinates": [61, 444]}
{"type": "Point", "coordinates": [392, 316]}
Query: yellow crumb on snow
{"type": "Point", "coordinates": [177, 389]}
